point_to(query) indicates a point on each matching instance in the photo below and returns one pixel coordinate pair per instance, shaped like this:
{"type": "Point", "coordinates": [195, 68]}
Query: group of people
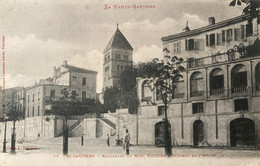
{"type": "Point", "coordinates": [126, 141]}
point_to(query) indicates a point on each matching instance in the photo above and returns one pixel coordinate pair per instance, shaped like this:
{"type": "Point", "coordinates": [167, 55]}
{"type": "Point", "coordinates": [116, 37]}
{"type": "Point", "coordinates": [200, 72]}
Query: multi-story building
{"type": "Point", "coordinates": [117, 55]}
{"type": "Point", "coordinates": [13, 97]}
{"type": "Point", "coordinates": [39, 96]}
{"type": "Point", "coordinates": [216, 100]}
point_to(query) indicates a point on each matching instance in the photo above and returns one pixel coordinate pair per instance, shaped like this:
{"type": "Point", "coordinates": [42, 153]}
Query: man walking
{"type": "Point", "coordinates": [108, 139]}
{"type": "Point", "coordinates": [82, 139]}
{"type": "Point", "coordinates": [127, 141]}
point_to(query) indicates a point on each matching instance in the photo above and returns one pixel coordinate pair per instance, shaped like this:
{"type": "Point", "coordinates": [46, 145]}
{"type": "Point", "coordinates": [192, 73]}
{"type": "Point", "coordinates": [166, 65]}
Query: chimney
{"type": "Point", "coordinates": [187, 29]}
{"type": "Point", "coordinates": [211, 20]}
{"type": "Point", "coordinates": [65, 63]}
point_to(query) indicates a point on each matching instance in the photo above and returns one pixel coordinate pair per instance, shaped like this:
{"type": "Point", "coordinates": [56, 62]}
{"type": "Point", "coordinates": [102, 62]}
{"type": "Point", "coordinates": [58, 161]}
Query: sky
{"type": "Point", "coordinates": [42, 34]}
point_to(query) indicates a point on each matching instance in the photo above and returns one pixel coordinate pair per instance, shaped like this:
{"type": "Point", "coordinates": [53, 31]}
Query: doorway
{"type": "Point", "coordinates": [242, 132]}
{"type": "Point", "coordinates": [197, 132]}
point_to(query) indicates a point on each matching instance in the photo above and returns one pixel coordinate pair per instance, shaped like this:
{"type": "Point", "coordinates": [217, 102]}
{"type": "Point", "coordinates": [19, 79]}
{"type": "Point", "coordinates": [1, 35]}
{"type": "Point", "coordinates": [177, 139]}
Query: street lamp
{"type": "Point", "coordinates": [4, 143]}
{"type": "Point", "coordinates": [65, 137]}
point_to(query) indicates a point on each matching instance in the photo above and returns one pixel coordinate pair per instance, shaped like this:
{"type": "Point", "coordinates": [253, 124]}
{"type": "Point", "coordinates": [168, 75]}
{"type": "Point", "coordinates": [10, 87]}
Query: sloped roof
{"type": "Point", "coordinates": [79, 70]}
{"type": "Point", "coordinates": [118, 40]}
{"type": "Point", "coordinates": [206, 28]}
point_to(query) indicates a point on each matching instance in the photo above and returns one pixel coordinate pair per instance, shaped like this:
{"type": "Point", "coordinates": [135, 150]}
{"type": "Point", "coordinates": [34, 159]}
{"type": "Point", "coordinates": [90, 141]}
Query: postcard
{"type": "Point", "coordinates": [130, 82]}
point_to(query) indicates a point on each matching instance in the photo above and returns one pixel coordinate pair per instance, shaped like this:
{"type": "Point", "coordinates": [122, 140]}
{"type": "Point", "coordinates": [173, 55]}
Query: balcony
{"type": "Point", "coordinates": [178, 95]}
{"type": "Point", "coordinates": [218, 91]}
{"type": "Point", "coordinates": [68, 100]}
{"type": "Point", "coordinates": [197, 93]}
{"type": "Point", "coordinates": [239, 89]}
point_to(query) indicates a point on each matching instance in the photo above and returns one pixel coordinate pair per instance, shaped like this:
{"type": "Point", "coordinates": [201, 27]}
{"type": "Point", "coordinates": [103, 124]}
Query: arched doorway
{"type": "Point", "coordinates": [242, 132]}
{"type": "Point", "coordinates": [160, 133]}
{"type": "Point", "coordinates": [197, 132]}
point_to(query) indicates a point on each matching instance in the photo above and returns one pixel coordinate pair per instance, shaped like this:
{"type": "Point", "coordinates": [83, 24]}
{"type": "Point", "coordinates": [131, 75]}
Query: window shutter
{"type": "Point", "coordinates": [179, 43]}
{"type": "Point", "coordinates": [242, 31]}
{"type": "Point", "coordinates": [223, 36]}
{"type": "Point", "coordinates": [196, 44]}
{"type": "Point", "coordinates": [249, 29]}
{"type": "Point", "coordinates": [237, 33]}
{"type": "Point", "coordinates": [219, 37]}
{"type": "Point", "coordinates": [191, 44]}
{"type": "Point", "coordinates": [186, 44]}
{"type": "Point", "coordinates": [207, 40]}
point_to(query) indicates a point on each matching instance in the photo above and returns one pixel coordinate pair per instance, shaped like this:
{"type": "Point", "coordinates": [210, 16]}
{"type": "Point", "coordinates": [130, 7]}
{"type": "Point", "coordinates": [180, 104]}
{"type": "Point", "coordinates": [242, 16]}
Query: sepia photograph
{"type": "Point", "coordinates": [130, 82]}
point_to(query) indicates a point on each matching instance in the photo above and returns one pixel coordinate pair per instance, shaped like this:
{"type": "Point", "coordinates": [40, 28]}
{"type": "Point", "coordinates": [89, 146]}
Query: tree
{"type": "Point", "coordinates": [164, 73]}
{"type": "Point", "coordinates": [128, 90]}
{"type": "Point", "coordinates": [124, 95]}
{"type": "Point", "coordinates": [13, 115]}
{"type": "Point", "coordinates": [66, 106]}
{"type": "Point", "coordinates": [111, 96]}
{"type": "Point", "coordinates": [252, 7]}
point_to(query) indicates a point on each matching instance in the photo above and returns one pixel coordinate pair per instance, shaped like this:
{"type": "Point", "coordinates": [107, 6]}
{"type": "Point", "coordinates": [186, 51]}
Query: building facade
{"type": "Point", "coordinates": [216, 101]}
{"type": "Point", "coordinates": [117, 55]}
{"type": "Point", "coordinates": [39, 96]}
{"type": "Point", "coordinates": [12, 97]}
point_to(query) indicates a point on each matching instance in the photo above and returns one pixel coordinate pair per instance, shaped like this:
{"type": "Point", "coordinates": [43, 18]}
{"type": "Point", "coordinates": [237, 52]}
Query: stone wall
{"type": "Point", "coordinates": [126, 121]}
{"type": "Point", "coordinates": [90, 125]}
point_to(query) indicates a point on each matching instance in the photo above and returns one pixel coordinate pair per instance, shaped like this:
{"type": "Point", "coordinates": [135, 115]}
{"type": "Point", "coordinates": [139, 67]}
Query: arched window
{"type": "Point", "coordinates": [146, 91]}
{"type": "Point", "coordinates": [196, 84]}
{"type": "Point", "coordinates": [257, 77]}
{"type": "Point", "coordinates": [239, 79]}
{"type": "Point", "coordinates": [216, 82]}
{"type": "Point", "coordinates": [179, 88]}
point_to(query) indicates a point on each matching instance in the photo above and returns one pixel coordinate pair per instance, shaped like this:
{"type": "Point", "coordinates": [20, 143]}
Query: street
{"type": "Point", "coordinates": [98, 148]}
{"type": "Point", "coordinates": [49, 152]}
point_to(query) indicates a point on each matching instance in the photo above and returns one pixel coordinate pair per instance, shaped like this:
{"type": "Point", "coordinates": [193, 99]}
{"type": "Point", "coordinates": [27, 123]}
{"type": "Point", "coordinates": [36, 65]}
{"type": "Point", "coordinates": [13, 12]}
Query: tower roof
{"type": "Point", "coordinates": [118, 40]}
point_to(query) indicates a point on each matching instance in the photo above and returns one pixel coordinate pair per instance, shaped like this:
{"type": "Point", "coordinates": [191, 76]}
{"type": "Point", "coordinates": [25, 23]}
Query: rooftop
{"type": "Point", "coordinates": [79, 70]}
{"type": "Point", "coordinates": [118, 40]}
{"type": "Point", "coordinates": [206, 28]}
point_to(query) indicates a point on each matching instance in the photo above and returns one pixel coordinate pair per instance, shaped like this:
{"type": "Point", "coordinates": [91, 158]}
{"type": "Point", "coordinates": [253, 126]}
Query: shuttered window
{"type": "Point", "coordinates": [219, 38]}
{"type": "Point", "coordinates": [249, 29]}
{"type": "Point", "coordinates": [242, 28]}
{"type": "Point", "coordinates": [223, 36]}
{"type": "Point", "coordinates": [229, 35]}
{"type": "Point", "coordinates": [237, 33]}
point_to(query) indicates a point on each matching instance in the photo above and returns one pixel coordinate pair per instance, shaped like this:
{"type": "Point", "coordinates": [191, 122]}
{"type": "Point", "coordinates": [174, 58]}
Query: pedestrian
{"type": "Point", "coordinates": [117, 141]}
{"type": "Point", "coordinates": [127, 141]}
{"type": "Point", "coordinates": [82, 139]}
{"type": "Point", "coordinates": [38, 138]}
{"type": "Point", "coordinates": [108, 139]}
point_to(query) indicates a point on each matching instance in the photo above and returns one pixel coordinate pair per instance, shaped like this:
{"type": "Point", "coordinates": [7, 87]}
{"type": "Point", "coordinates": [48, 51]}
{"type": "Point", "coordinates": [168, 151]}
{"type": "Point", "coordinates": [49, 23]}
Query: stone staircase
{"type": "Point", "coordinates": [73, 127]}
{"type": "Point", "coordinates": [109, 123]}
